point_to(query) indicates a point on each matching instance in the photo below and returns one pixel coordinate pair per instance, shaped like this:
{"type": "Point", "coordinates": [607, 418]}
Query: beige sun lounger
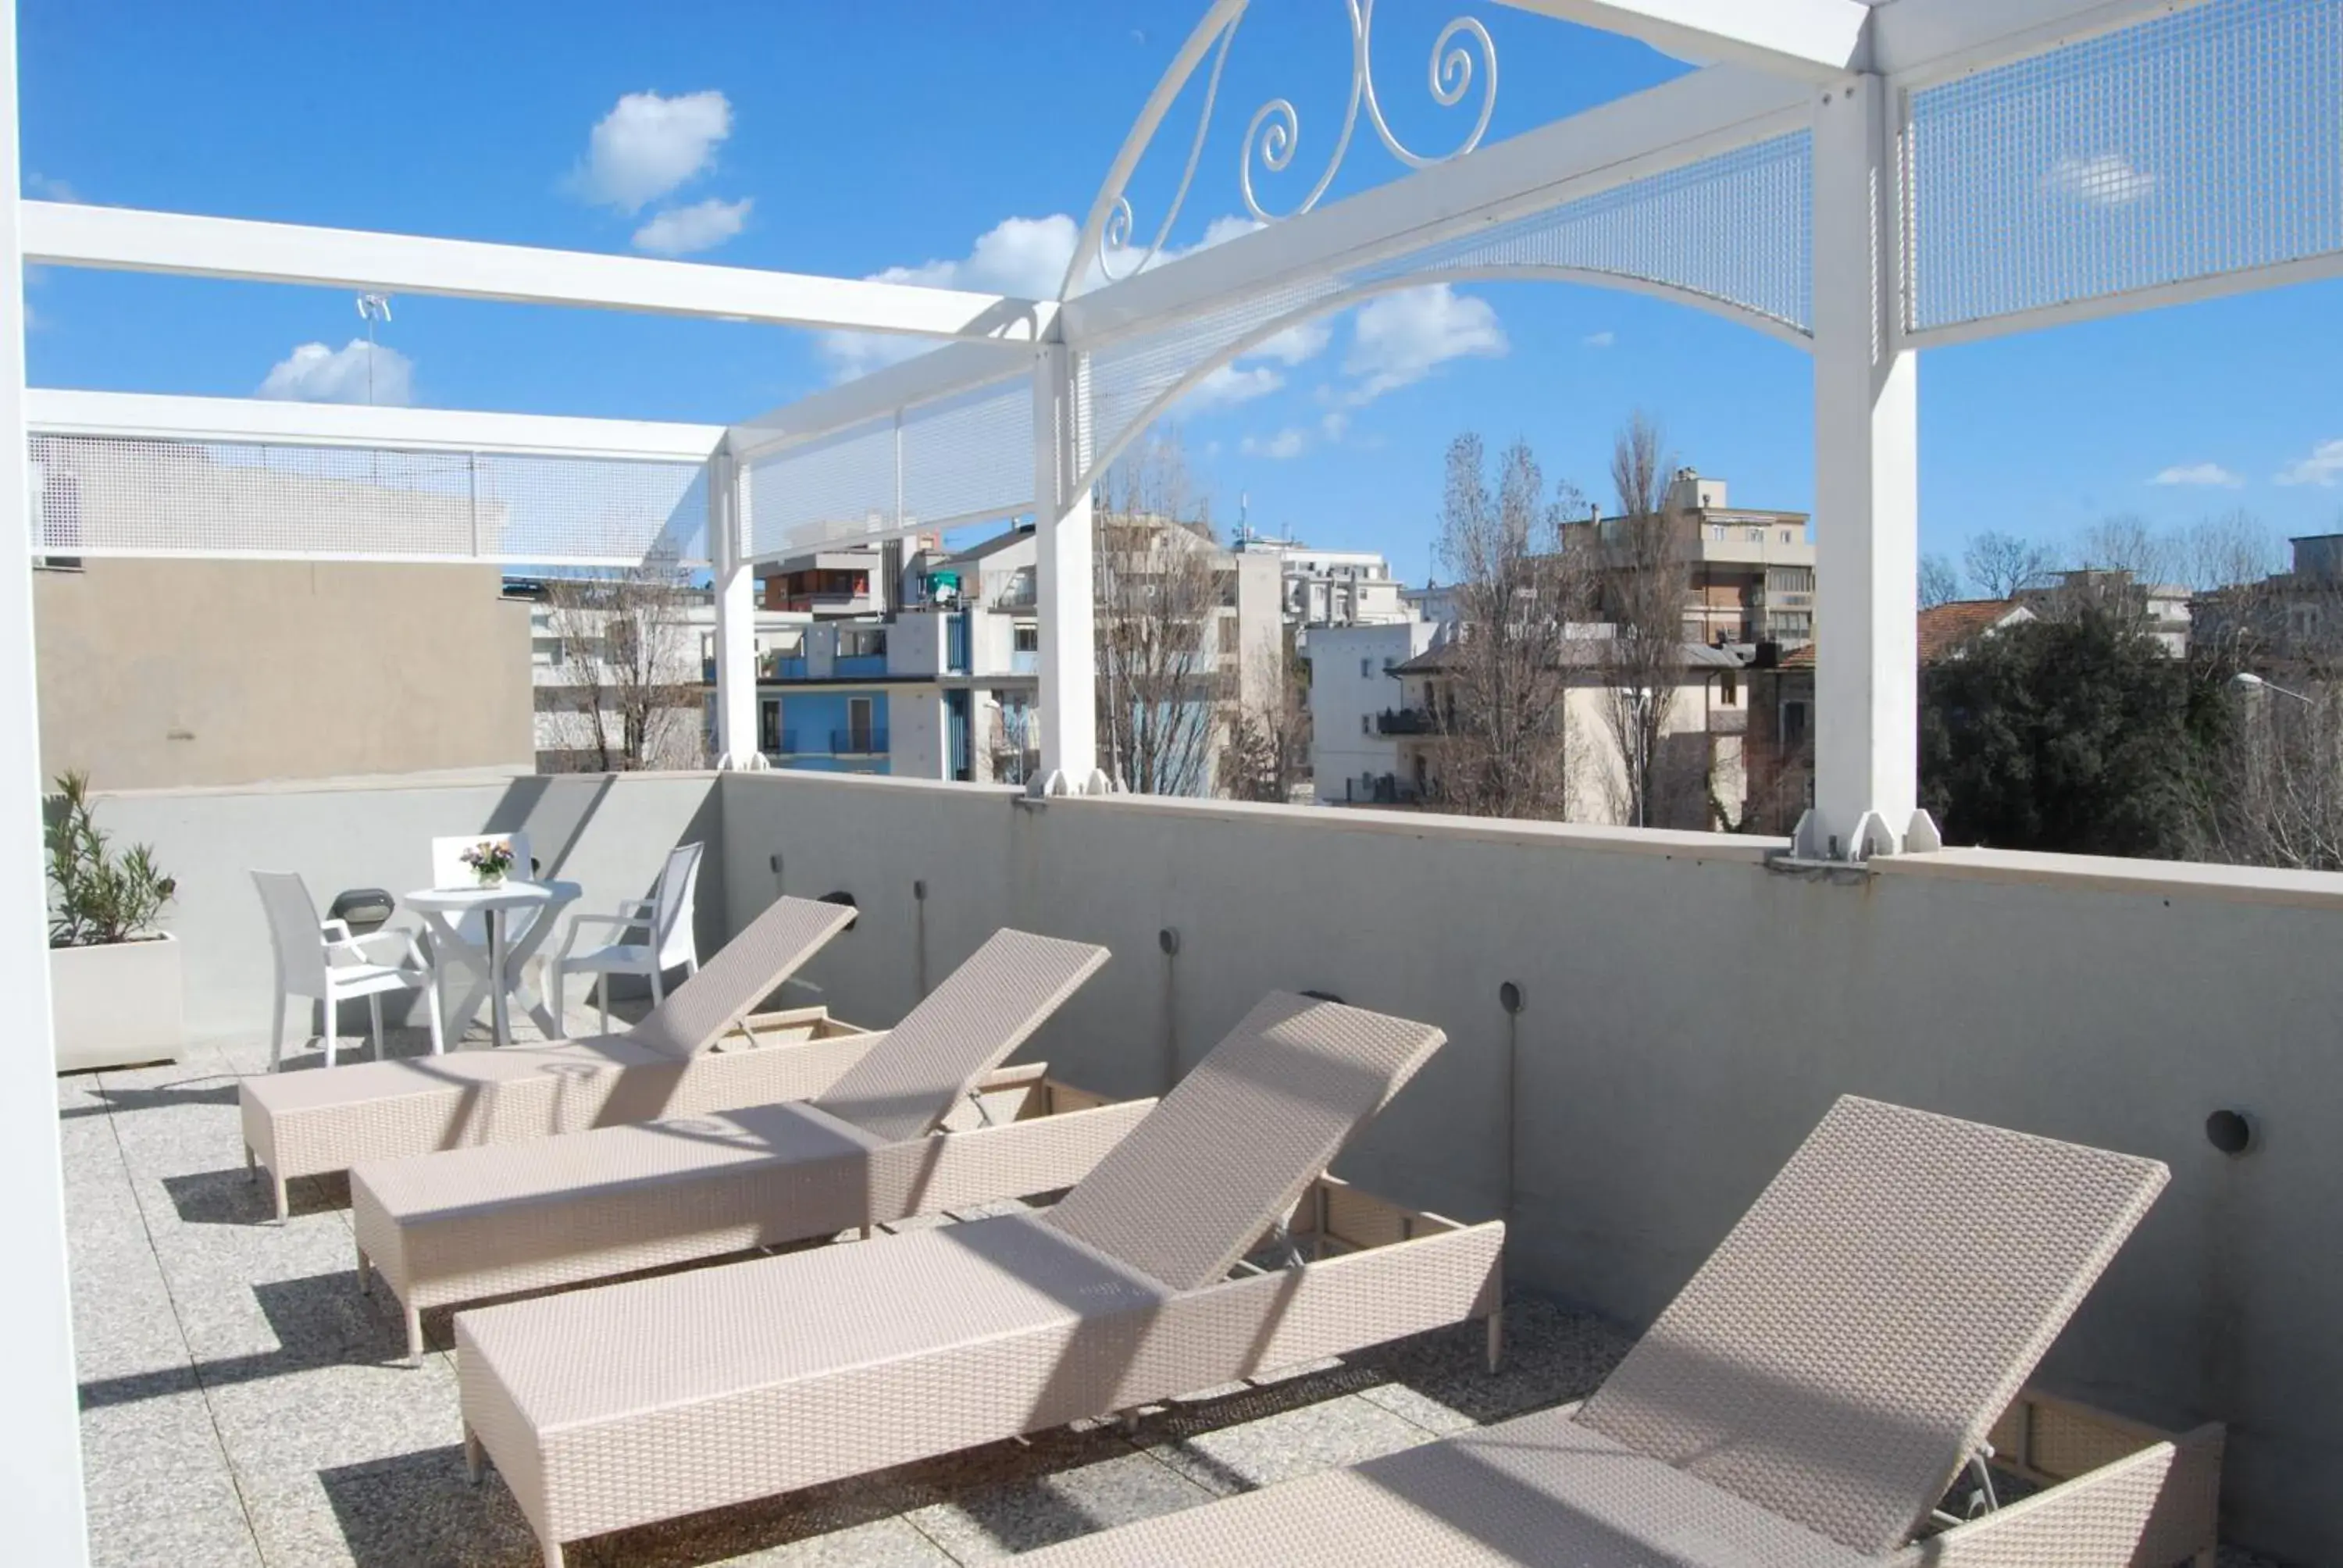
{"type": "Point", "coordinates": [469, 1223]}
{"type": "Point", "coordinates": [656, 1398]}
{"type": "Point", "coordinates": [1805, 1403]}
{"type": "Point", "coordinates": [311, 1123]}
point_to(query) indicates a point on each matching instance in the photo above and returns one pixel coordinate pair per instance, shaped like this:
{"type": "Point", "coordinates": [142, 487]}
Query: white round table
{"type": "Point", "coordinates": [443, 910]}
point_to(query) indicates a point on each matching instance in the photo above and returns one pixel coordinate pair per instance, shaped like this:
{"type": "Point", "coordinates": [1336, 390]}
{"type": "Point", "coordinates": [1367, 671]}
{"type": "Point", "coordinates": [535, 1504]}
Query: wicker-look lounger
{"type": "Point", "coordinates": [645, 1400]}
{"type": "Point", "coordinates": [469, 1223]}
{"type": "Point", "coordinates": [310, 1124]}
{"type": "Point", "coordinates": [1805, 1402]}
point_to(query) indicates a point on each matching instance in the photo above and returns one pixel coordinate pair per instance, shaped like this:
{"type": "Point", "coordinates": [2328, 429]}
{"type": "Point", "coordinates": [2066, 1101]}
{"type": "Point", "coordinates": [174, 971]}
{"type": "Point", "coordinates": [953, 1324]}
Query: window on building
{"type": "Point", "coordinates": [1716, 532]}
{"type": "Point", "coordinates": [1229, 634]}
{"type": "Point", "coordinates": [1390, 664]}
{"type": "Point", "coordinates": [1729, 688]}
{"type": "Point", "coordinates": [1785, 537]}
{"type": "Point", "coordinates": [1755, 536]}
{"type": "Point", "coordinates": [1794, 726]}
{"type": "Point", "coordinates": [1366, 724]}
{"type": "Point", "coordinates": [1366, 670]}
{"type": "Point", "coordinates": [1026, 637]}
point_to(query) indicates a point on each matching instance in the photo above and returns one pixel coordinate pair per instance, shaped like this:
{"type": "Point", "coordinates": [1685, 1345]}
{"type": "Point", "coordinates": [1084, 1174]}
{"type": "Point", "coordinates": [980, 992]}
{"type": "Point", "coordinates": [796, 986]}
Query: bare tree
{"type": "Point", "coordinates": [1163, 684]}
{"type": "Point", "coordinates": [1500, 702]}
{"type": "Point", "coordinates": [1939, 582]}
{"type": "Point", "coordinates": [1646, 578]}
{"type": "Point", "coordinates": [632, 671]}
{"type": "Point", "coordinates": [1268, 750]}
{"type": "Point", "coordinates": [2001, 566]}
{"type": "Point", "coordinates": [2124, 546]}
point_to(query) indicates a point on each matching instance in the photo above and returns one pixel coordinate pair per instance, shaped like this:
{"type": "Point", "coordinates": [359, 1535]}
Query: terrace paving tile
{"type": "Point", "coordinates": [1226, 1459]}
{"type": "Point", "coordinates": [999, 1519]}
{"type": "Point", "coordinates": [159, 1487]}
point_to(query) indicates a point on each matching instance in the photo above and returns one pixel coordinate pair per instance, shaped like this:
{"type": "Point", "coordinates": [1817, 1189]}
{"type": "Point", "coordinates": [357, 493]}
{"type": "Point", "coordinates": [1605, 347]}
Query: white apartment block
{"type": "Point", "coordinates": [1356, 707]}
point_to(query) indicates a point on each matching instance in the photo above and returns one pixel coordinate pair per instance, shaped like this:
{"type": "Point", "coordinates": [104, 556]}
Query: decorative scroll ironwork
{"type": "Point", "coordinates": [1274, 135]}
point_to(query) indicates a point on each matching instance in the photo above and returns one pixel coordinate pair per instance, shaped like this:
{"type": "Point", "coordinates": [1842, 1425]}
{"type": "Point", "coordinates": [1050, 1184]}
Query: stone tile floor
{"type": "Point", "coordinates": [243, 1404]}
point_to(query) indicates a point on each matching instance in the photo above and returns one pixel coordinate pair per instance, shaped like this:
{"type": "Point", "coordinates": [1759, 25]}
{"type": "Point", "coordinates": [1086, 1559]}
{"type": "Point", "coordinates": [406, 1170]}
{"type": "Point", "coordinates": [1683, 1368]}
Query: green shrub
{"type": "Point", "coordinates": [102, 897]}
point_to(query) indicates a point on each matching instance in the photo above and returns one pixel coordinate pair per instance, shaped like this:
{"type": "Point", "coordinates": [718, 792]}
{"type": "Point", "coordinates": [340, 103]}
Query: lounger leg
{"type": "Point", "coordinates": [283, 1210]}
{"type": "Point", "coordinates": [431, 1002]}
{"type": "Point", "coordinates": [277, 1033]}
{"type": "Point", "coordinates": [553, 1554]}
{"type": "Point", "coordinates": [1496, 1339]}
{"type": "Point", "coordinates": [332, 1021]}
{"type": "Point", "coordinates": [474, 1460]}
{"type": "Point", "coordinates": [366, 1285]}
{"type": "Point", "coordinates": [374, 1010]}
{"type": "Point", "coordinates": [251, 1164]}
{"type": "Point", "coordinates": [414, 1334]}
{"type": "Point", "coordinates": [602, 992]}
{"type": "Point", "coordinates": [659, 985]}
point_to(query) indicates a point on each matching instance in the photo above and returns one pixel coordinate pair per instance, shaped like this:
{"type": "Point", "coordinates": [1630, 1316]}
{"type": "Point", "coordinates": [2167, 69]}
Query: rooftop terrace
{"type": "Point", "coordinates": [243, 1404]}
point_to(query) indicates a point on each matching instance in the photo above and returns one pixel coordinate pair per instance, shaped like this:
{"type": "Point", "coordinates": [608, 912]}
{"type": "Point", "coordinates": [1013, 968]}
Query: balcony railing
{"type": "Point", "coordinates": [858, 742]}
{"type": "Point", "coordinates": [859, 666]}
{"type": "Point", "coordinates": [781, 666]}
{"type": "Point", "coordinates": [1405, 721]}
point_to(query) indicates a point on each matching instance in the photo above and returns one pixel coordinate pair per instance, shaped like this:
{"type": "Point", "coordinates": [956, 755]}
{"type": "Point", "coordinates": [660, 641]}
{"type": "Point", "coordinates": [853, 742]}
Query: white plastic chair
{"type": "Point", "coordinates": [322, 960]}
{"type": "Point", "coordinates": [666, 916]}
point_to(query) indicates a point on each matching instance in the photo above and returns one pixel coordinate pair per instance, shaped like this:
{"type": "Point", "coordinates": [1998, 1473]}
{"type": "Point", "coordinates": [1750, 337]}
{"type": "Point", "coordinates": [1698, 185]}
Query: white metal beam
{"type": "Point", "coordinates": [1665, 128]}
{"type": "Point", "coordinates": [68, 234]}
{"type": "Point", "coordinates": [1934, 39]}
{"type": "Point", "coordinates": [1811, 40]}
{"type": "Point", "coordinates": [57, 412]}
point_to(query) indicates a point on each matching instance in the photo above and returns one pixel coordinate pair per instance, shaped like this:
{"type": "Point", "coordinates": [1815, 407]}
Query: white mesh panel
{"type": "Point", "coordinates": [1737, 228]}
{"type": "Point", "coordinates": [970, 457]}
{"type": "Point", "coordinates": [841, 486]}
{"type": "Point", "coordinates": [965, 459]}
{"type": "Point", "coordinates": [2202, 143]}
{"type": "Point", "coordinates": [135, 496]}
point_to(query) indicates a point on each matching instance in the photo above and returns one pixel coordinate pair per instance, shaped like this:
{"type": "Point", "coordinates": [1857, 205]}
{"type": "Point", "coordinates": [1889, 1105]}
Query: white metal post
{"type": "Point", "coordinates": [1062, 579]}
{"type": "Point", "coordinates": [1867, 494]}
{"type": "Point", "coordinates": [736, 614]}
{"type": "Point", "coordinates": [40, 1445]}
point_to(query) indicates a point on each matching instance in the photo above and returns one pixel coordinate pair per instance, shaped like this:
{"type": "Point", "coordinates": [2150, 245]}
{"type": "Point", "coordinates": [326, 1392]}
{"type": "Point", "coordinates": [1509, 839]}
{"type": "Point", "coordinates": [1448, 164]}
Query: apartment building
{"type": "Point", "coordinates": [1329, 588]}
{"type": "Point", "coordinates": [1356, 711]}
{"type": "Point", "coordinates": [1750, 573]}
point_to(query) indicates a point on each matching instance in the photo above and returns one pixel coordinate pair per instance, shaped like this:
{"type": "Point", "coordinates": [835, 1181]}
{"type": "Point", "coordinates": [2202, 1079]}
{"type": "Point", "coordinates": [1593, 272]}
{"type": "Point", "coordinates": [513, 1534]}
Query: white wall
{"type": "Point", "coordinates": [1690, 1015]}
{"type": "Point", "coordinates": [915, 732]}
{"type": "Point", "coordinates": [608, 832]}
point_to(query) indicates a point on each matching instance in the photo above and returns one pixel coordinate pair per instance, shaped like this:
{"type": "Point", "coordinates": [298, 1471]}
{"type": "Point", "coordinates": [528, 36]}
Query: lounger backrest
{"type": "Point", "coordinates": [1848, 1346]}
{"type": "Point", "coordinates": [984, 1009]}
{"type": "Point", "coordinates": [1231, 1148]}
{"type": "Point", "coordinates": [696, 1013]}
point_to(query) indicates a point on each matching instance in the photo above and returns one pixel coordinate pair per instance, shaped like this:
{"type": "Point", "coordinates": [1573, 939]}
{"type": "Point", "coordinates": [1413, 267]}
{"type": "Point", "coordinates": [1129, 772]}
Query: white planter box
{"type": "Point", "coordinates": [118, 1005]}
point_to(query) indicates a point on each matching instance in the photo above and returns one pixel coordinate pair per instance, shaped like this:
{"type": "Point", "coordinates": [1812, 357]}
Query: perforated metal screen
{"type": "Point", "coordinates": [1735, 230]}
{"type": "Point", "coordinates": [961, 459]}
{"type": "Point", "coordinates": [121, 496]}
{"type": "Point", "coordinates": [2203, 143]}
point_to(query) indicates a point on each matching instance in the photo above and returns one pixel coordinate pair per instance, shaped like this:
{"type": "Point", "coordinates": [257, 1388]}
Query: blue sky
{"type": "Point", "coordinates": [901, 134]}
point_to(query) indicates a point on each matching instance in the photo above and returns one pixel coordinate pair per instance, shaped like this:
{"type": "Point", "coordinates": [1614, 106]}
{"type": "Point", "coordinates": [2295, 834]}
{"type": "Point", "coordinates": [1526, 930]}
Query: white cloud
{"type": "Point", "coordinates": [2211, 476]}
{"type": "Point", "coordinates": [1334, 425]}
{"type": "Point", "coordinates": [1403, 337]}
{"type": "Point", "coordinates": [1027, 258]}
{"type": "Point", "coordinates": [680, 230]}
{"type": "Point", "coordinates": [314, 372]}
{"type": "Point", "coordinates": [1232, 384]}
{"type": "Point", "coordinates": [1287, 443]}
{"type": "Point", "coordinates": [2101, 179]}
{"type": "Point", "coordinates": [648, 145]}
{"type": "Point", "coordinates": [2323, 467]}
{"type": "Point", "coordinates": [38, 184]}
{"type": "Point", "coordinates": [1599, 339]}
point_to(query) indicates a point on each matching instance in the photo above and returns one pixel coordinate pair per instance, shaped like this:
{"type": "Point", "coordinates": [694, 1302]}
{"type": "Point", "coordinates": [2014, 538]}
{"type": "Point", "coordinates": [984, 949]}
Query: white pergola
{"type": "Point", "coordinates": [1866, 179]}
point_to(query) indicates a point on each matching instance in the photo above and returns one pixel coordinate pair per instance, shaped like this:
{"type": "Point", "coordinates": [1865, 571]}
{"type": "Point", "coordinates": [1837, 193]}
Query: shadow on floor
{"type": "Point", "coordinates": [110, 1099]}
{"type": "Point", "coordinates": [235, 1197]}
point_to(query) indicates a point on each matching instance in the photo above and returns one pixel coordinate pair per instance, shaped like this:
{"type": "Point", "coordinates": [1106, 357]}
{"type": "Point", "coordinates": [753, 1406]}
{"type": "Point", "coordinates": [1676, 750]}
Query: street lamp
{"type": "Point", "coordinates": [2246, 680]}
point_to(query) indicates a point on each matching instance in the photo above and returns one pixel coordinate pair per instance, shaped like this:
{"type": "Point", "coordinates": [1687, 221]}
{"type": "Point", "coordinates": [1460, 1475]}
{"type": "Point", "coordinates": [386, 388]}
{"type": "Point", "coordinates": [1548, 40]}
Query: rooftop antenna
{"type": "Point", "coordinates": [372, 307]}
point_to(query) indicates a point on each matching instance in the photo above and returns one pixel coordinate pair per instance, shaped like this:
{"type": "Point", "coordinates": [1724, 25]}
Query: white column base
{"type": "Point", "coordinates": [1921, 836]}
{"type": "Point", "coordinates": [754, 762]}
{"type": "Point", "coordinates": [1059, 783]}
